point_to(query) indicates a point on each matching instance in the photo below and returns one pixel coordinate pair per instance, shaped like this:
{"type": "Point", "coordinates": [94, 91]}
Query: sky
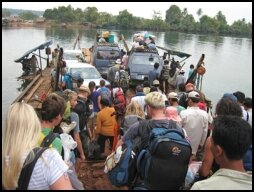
{"type": "Point", "coordinates": [232, 10]}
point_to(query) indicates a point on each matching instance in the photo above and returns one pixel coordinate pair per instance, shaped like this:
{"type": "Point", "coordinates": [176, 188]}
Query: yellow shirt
{"type": "Point", "coordinates": [106, 121]}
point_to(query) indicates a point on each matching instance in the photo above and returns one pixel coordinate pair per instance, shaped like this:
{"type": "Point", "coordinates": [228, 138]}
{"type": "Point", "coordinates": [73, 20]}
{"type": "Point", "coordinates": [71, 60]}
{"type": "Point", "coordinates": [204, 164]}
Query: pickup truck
{"type": "Point", "coordinates": [140, 62]}
{"type": "Point", "coordinates": [104, 55]}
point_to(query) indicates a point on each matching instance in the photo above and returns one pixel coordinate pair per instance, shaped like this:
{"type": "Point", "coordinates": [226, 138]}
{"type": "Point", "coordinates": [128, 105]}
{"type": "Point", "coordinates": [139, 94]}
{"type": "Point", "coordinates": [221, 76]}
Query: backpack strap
{"type": "Point", "coordinates": [247, 116]}
{"type": "Point", "coordinates": [173, 125]}
{"type": "Point", "coordinates": [49, 139]}
{"type": "Point", "coordinates": [144, 129]}
{"type": "Point", "coordinates": [27, 170]}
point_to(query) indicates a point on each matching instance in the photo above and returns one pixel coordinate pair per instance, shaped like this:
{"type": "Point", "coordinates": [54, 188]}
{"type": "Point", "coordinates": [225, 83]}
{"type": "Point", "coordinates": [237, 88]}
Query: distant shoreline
{"type": "Point", "coordinates": [47, 24]}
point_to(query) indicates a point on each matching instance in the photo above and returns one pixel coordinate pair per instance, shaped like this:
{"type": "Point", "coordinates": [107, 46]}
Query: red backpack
{"type": "Point", "coordinates": [119, 102]}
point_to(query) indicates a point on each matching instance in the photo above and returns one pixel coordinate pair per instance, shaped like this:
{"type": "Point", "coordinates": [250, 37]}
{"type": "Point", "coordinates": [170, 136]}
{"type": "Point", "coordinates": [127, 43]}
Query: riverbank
{"type": "Point", "coordinates": [50, 24]}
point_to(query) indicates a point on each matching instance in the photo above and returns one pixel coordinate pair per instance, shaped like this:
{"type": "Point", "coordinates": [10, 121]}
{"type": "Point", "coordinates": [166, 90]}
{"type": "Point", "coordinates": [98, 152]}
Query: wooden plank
{"type": "Point", "coordinates": [18, 99]}
{"type": "Point", "coordinates": [33, 90]}
{"type": "Point", "coordinates": [192, 77]}
{"type": "Point", "coordinates": [124, 43]}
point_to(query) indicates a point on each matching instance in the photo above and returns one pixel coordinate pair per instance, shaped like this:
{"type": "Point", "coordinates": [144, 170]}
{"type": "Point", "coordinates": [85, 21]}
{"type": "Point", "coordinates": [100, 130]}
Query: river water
{"type": "Point", "coordinates": [228, 60]}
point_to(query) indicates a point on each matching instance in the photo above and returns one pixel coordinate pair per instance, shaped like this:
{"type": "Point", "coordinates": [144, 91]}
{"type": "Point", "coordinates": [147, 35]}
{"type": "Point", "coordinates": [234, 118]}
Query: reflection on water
{"type": "Point", "coordinates": [171, 37]}
{"type": "Point", "coordinates": [24, 84]}
{"type": "Point", "coordinates": [217, 41]}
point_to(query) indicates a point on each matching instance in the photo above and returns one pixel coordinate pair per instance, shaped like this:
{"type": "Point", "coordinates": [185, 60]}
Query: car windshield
{"type": "Point", "coordinates": [145, 59]}
{"type": "Point", "coordinates": [87, 73]}
{"type": "Point", "coordinates": [108, 54]}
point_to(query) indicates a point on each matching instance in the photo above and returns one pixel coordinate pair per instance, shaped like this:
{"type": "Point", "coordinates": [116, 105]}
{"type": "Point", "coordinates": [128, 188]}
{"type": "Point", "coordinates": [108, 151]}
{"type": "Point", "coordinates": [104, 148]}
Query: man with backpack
{"type": "Point", "coordinates": [122, 77]}
{"type": "Point", "coordinates": [165, 165]}
{"type": "Point", "coordinates": [52, 111]}
{"type": "Point", "coordinates": [83, 110]}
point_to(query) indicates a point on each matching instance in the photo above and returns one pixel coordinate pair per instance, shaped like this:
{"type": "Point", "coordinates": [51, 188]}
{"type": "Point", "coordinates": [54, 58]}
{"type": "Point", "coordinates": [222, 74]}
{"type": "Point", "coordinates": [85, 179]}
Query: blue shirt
{"type": "Point", "coordinates": [68, 82]}
{"type": "Point", "coordinates": [154, 74]}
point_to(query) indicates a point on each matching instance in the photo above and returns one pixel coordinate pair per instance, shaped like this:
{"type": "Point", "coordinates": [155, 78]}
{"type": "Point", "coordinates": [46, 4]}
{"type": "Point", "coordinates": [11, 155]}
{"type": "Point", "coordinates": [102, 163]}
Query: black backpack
{"type": "Point", "coordinates": [27, 170]}
{"type": "Point", "coordinates": [163, 164]}
{"type": "Point", "coordinates": [84, 110]}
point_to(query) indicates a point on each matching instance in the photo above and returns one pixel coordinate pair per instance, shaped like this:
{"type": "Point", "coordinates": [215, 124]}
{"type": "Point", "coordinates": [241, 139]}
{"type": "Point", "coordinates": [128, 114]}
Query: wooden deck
{"type": "Point", "coordinates": [39, 87]}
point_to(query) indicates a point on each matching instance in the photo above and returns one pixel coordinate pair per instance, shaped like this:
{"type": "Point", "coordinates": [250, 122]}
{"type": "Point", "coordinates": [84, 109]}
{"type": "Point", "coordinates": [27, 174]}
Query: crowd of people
{"type": "Point", "coordinates": [220, 141]}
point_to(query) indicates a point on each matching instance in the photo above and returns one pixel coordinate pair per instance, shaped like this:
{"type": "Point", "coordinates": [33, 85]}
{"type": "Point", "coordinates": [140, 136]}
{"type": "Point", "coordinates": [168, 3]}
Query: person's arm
{"type": "Point", "coordinates": [79, 145]}
{"type": "Point", "coordinates": [99, 102]}
{"type": "Point", "coordinates": [204, 134]}
{"type": "Point", "coordinates": [132, 132]}
{"type": "Point", "coordinates": [63, 183]}
{"type": "Point", "coordinates": [208, 158]}
{"type": "Point", "coordinates": [98, 128]}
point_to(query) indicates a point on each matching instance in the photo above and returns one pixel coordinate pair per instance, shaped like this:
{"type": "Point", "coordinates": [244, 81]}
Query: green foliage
{"type": "Point", "coordinates": [91, 14]}
{"type": "Point", "coordinates": [199, 12]}
{"type": "Point", "coordinates": [240, 27]}
{"type": "Point", "coordinates": [6, 13]}
{"type": "Point", "coordinates": [27, 15]}
{"type": "Point", "coordinates": [174, 17]}
{"type": "Point", "coordinates": [188, 23]}
{"type": "Point", "coordinates": [208, 25]}
{"type": "Point", "coordinates": [125, 19]}
{"type": "Point", "coordinates": [19, 11]}
{"type": "Point", "coordinates": [221, 20]}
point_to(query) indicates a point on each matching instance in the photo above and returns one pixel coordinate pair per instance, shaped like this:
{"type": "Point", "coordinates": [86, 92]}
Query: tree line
{"type": "Point", "coordinates": [175, 20]}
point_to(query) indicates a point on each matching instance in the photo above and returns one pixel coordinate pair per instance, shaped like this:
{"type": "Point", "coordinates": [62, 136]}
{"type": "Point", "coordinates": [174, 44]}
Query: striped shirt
{"type": "Point", "coordinates": [48, 169]}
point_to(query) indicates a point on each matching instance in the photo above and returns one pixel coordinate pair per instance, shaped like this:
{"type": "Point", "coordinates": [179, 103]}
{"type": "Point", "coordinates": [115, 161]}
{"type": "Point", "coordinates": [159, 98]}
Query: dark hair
{"type": "Point", "coordinates": [146, 84]}
{"type": "Point", "coordinates": [139, 88]}
{"type": "Point", "coordinates": [227, 106]}
{"type": "Point", "coordinates": [173, 99]}
{"type": "Point", "coordinates": [194, 100]}
{"type": "Point", "coordinates": [181, 87]}
{"type": "Point", "coordinates": [91, 85]}
{"type": "Point", "coordinates": [102, 83]}
{"type": "Point", "coordinates": [156, 65]}
{"type": "Point", "coordinates": [52, 106]}
{"type": "Point", "coordinates": [240, 96]}
{"type": "Point", "coordinates": [191, 66]}
{"type": "Point", "coordinates": [247, 102]}
{"type": "Point", "coordinates": [115, 84]}
{"type": "Point", "coordinates": [153, 89]}
{"type": "Point", "coordinates": [104, 101]}
{"type": "Point", "coordinates": [233, 135]}
{"type": "Point", "coordinates": [80, 80]}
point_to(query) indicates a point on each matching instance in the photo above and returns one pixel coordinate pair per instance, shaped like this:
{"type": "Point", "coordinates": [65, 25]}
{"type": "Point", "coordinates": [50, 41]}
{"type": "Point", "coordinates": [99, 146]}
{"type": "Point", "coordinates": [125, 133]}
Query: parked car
{"type": "Point", "coordinates": [87, 71]}
{"type": "Point", "coordinates": [140, 62]}
{"type": "Point", "coordinates": [104, 56]}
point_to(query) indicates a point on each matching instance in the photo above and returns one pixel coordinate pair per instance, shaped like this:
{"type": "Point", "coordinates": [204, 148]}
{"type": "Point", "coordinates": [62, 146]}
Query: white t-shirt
{"type": "Point", "coordinates": [48, 169]}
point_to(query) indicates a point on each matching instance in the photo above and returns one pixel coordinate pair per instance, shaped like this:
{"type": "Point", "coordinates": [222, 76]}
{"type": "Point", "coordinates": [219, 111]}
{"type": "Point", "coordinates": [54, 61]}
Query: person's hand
{"type": "Point", "coordinates": [82, 157]}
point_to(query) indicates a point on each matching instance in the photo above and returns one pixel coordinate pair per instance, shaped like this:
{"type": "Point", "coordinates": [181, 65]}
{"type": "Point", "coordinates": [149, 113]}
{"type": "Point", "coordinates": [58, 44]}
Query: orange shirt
{"type": "Point", "coordinates": [106, 121]}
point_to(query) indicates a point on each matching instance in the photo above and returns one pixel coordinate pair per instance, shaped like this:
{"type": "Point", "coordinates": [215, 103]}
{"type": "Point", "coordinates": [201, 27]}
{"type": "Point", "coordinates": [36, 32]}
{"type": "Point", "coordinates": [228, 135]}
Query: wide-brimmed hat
{"type": "Point", "coordinates": [193, 94]}
{"type": "Point", "coordinates": [156, 82]}
{"type": "Point", "coordinates": [83, 88]}
{"type": "Point", "coordinates": [172, 95]}
{"type": "Point", "coordinates": [172, 114]}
